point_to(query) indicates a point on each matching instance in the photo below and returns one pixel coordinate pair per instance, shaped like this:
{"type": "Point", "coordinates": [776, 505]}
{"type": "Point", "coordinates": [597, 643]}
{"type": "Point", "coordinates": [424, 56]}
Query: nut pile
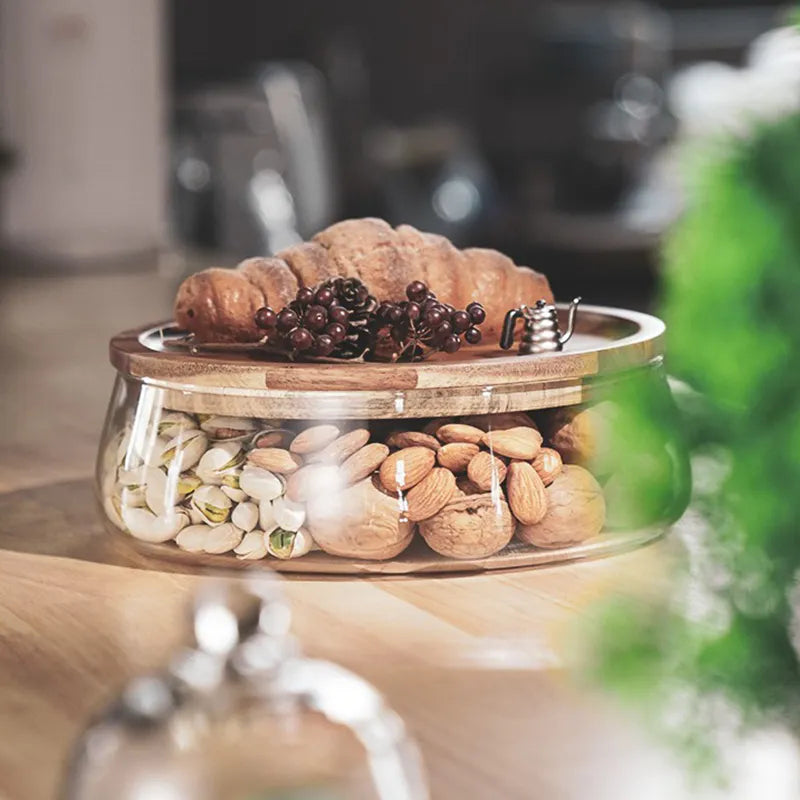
{"type": "Point", "coordinates": [270, 488]}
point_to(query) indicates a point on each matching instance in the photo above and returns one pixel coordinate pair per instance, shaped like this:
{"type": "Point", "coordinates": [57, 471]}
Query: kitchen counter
{"type": "Point", "coordinates": [474, 663]}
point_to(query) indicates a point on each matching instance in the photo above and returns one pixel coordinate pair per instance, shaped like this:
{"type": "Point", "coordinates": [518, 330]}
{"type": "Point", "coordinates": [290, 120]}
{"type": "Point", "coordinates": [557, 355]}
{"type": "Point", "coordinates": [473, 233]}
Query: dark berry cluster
{"type": "Point", "coordinates": [341, 319]}
{"type": "Point", "coordinates": [423, 323]}
{"type": "Point", "coordinates": [326, 321]}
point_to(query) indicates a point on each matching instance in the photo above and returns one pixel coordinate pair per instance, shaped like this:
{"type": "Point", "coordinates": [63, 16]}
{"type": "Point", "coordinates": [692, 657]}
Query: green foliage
{"type": "Point", "coordinates": [732, 305]}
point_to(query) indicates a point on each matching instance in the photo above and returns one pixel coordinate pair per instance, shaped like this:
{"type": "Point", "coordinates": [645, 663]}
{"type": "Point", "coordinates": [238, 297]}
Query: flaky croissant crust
{"type": "Point", "coordinates": [220, 304]}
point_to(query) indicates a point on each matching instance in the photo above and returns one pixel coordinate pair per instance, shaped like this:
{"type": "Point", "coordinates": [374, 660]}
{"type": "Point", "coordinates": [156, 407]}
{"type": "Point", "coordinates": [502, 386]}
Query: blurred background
{"type": "Point", "coordinates": [206, 131]}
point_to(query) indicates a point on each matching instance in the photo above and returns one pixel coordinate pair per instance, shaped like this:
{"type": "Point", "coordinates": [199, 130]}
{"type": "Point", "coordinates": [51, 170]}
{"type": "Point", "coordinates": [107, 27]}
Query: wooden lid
{"type": "Point", "coordinates": [482, 379]}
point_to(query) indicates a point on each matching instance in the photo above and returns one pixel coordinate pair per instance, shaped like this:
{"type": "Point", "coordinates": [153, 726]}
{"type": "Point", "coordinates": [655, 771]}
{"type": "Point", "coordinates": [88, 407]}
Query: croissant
{"type": "Point", "coordinates": [220, 304]}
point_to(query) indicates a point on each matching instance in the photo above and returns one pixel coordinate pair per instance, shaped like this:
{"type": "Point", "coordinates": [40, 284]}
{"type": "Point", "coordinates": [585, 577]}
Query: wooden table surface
{"type": "Point", "coordinates": [474, 663]}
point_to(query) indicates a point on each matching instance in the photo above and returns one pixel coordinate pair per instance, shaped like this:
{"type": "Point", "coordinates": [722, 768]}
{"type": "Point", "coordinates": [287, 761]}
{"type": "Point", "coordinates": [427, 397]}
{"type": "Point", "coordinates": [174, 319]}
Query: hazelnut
{"type": "Point", "coordinates": [576, 511]}
{"type": "Point", "coordinates": [359, 522]}
{"type": "Point", "coordinates": [472, 526]}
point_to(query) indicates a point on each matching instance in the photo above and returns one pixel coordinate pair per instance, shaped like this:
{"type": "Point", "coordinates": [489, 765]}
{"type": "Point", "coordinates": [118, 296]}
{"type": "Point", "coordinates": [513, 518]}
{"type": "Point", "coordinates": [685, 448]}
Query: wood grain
{"type": "Point", "coordinates": [473, 662]}
{"type": "Point", "coordinates": [480, 380]}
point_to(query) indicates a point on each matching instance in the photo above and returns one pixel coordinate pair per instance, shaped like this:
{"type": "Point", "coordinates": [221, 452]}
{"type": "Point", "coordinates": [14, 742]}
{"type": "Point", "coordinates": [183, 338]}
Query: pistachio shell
{"type": "Point", "coordinates": [171, 423]}
{"type": "Point", "coordinates": [288, 514]}
{"type": "Point", "coordinates": [266, 516]}
{"type": "Point", "coordinates": [260, 484]}
{"type": "Point", "coordinates": [127, 456]}
{"type": "Point", "coordinates": [212, 504]}
{"type": "Point", "coordinates": [122, 445]}
{"type": "Point", "coordinates": [193, 538]}
{"type": "Point", "coordinates": [145, 525]}
{"type": "Point", "coordinates": [145, 446]}
{"type": "Point", "coordinates": [237, 495]}
{"type": "Point", "coordinates": [223, 538]}
{"type": "Point", "coordinates": [132, 498]}
{"type": "Point", "coordinates": [195, 516]}
{"type": "Point", "coordinates": [230, 485]}
{"type": "Point", "coordinates": [252, 547]}
{"type": "Point", "coordinates": [245, 516]}
{"type": "Point", "coordinates": [161, 492]}
{"type": "Point", "coordinates": [187, 483]}
{"type": "Point", "coordinates": [153, 454]}
{"type": "Point", "coordinates": [132, 478]}
{"type": "Point", "coordinates": [285, 544]}
{"type": "Point", "coordinates": [113, 508]}
{"type": "Point", "coordinates": [218, 461]}
{"type": "Point", "coordinates": [185, 450]}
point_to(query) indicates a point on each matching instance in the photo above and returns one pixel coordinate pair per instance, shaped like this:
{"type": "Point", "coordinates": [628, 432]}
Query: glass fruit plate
{"type": "Point", "coordinates": [481, 460]}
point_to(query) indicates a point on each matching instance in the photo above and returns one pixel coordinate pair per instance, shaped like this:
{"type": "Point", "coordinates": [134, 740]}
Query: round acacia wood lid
{"type": "Point", "coordinates": [477, 380]}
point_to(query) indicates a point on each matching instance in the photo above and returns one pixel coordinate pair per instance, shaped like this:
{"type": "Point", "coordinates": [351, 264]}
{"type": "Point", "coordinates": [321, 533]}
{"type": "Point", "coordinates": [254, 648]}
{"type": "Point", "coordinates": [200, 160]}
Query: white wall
{"type": "Point", "coordinates": [82, 100]}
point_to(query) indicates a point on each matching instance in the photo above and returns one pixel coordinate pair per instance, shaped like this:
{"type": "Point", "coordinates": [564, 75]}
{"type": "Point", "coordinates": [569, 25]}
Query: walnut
{"type": "Point", "coordinates": [359, 522]}
{"type": "Point", "coordinates": [583, 435]}
{"type": "Point", "coordinates": [576, 511]}
{"type": "Point", "coordinates": [473, 526]}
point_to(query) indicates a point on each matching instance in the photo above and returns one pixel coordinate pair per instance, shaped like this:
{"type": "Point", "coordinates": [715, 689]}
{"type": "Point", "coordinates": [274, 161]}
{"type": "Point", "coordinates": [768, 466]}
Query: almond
{"type": "Point", "coordinates": [275, 438]}
{"type": "Point", "coordinates": [340, 449]}
{"type": "Point", "coordinates": [520, 443]}
{"type": "Point", "coordinates": [314, 438]}
{"type": "Point", "coordinates": [431, 494]}
{"type": "Point", "coordinates": [275, 459]}
{"type": "Point", "coordinates": [456, 432]}
{"type": "Point", "coordinates": [401, 439]}
{"type": "Point", "coordinates": [500, 422]}
{"type": "Point", "coordinates": [485, 470]}
{"type": "Point", "coordinates": [406, 468]}
{"type": "Point", "coordinates": [547, 464]}
{"type": "Point", "coordinates": [313, 479]}
{"type": "Point", "coordinates": [457, 455]}
{"type": "Point", "coordinates": [527, 496]}
{"type": "Point", "coordinates": [363, 462]}
{"type": "Point", "coordinates": [466, 487]}
{"type": "Point", "coordinates": [431, 427]}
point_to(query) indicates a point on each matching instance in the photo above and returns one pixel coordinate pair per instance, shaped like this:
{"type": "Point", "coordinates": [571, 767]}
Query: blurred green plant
{"type": "Point", "coordinates": [723, 642]}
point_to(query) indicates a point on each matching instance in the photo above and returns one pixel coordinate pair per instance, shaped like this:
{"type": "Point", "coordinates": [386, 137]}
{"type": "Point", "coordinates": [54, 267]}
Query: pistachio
{"type": "Point", "coordinates": [223, 539]}
{"type": "Point", "coordinates": [185, 450]}
{"type": "Point", "coordinates": [172, 423]}
{"type": "Point", "coordinates": [195, 517]}
{"type": "Point", "coordinates": [230, 486]}
{"type": "Point", "coordinates": [212, 504]}
{"type": "Point", "coordinates": [147, 526]}
{"type": "Point", "coordinates": [187, 483]}
{"type": "Point", "coordinates": [152, 453]}
{"type": "Point", "coordinates": [132, 478]}
{"type": "Point", "coordinates": [120, 445]}
{"type": "Point", "coordinates": [219, 461]}
{"type": "Point", "coordinates": [266, 516]}
{"type": "Point", "coordinates": [288, 514]}
{"type": "Point", "coordinates": [252, 547]}
{"type": "Point", "coordinates": [144, 445]}
{"type": "Point", "coordinates": [158, 494]}
{"type": "Point", "coordinates": [228, 428]}
{"type": "Point", "coordinates": [193, 538]}
{"type": "Point", "coordinates": [112, 504]}
{"type": "Point", "coordinates": [285, 544]}
{"type": "Point", "coordinates": [132, 497]}
{"type": "Point", "coordinates": [245, 516]}
{"type": "Point", "coordinates": [260, 484]}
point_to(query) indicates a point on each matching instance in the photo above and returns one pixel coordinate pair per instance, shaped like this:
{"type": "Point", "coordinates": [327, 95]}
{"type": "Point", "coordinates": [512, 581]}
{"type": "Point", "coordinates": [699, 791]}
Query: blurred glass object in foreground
{"type": "Point", "coordinates": [241, 715]}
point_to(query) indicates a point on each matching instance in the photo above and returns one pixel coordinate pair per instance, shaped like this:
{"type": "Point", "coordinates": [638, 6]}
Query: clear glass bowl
{"type": "Point", "coordinates": [454, 464]}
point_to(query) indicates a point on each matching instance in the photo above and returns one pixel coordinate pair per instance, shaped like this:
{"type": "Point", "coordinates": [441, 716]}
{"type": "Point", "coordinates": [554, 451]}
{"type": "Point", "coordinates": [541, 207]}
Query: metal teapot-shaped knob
{"type": "Point", "coordinates": [541, 333]}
